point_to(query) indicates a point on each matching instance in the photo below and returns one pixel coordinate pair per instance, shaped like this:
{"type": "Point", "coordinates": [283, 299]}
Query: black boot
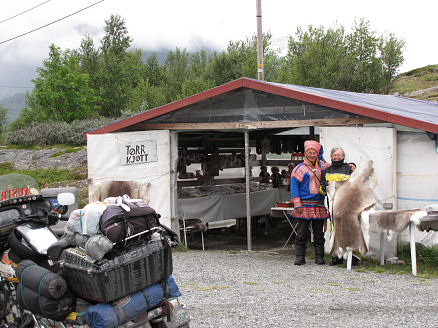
{"type": "Point", "coordinates": [319, 254]}
{"type": "Point", "coordinates": [336, 260]}
{"type": "Point", "coordinates": [300, 254]}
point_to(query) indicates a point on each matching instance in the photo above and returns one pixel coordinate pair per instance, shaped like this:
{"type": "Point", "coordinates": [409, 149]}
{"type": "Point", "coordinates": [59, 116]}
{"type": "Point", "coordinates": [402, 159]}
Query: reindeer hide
{"type": "Point", "coordinates": [350, 198]}
{"type": "Point", "coordinates": [99, 190]}
{"type": "Point", "coordinates": [390, 222]}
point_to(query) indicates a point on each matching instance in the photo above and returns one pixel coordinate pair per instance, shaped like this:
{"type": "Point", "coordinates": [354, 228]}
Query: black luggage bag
{"type": "Point", "coordinates": [133, 269]}
{"type": "Point", "coordinates": [117, 224]}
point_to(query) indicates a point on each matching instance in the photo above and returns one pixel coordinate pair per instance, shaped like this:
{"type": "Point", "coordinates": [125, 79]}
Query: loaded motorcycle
{"type": "Point", "coordinates": [46, 281]}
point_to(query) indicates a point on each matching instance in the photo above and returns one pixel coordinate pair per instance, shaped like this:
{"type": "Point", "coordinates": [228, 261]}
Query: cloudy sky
{"type": "Point", "coordinates": [195, 24]}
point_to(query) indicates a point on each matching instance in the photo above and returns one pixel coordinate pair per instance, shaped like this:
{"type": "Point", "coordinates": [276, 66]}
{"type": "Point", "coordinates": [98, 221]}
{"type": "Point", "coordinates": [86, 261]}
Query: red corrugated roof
{"type": "Point", "coordinates": [404, 111]}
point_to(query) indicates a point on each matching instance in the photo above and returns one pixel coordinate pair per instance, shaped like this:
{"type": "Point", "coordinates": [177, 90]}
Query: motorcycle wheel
{"type": "Point", "coordinates": [159, 324]}
{"type": "Point", "coordinates": [9, 310]}
{"type": "Point", "coordinates": [162, 325]}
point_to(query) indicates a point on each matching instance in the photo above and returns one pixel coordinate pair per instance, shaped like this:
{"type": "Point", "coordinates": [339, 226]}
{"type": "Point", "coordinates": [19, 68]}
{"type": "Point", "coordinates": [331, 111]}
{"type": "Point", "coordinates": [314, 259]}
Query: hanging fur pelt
{"type": "Point", "coordinates": [348, 200]}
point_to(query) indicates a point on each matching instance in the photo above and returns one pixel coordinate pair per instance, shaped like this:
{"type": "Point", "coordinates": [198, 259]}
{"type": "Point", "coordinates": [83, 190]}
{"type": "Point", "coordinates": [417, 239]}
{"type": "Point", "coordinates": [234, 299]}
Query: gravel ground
{"type": "Point", "coordinates": [265, 289]}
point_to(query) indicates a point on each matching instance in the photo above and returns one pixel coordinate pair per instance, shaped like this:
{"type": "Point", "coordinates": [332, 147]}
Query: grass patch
{"type": "Point", "coordinates": [209, 288]}
{"type": "Point", "coordinates": [417, 79]}
{"type": "Point", "coordinates": [421, 71]}
{"type": "Point", "coordinates": [427, 263]}
{"type": "Point", "coordinates": [321, 290]}
{"type": "Point", "coordinates": [67, 150]}
{"type": "Point", "coordinates": [250, 283]}
{"type": "Point", "coordinates": [429, 77]}
{"type": "Point", "coordinates": [425, 255]}
{"type": "Point", "coordinates": [45, 177]}
{"type": "Point", "coordinates": [49, 178]}
{"type": "Point", "coordinates": [180, 248]}
{"type": "Point", "coordinates": [354, 289]}
{"type": "Point", "coordinates": [83, 197]}
{"type": "Point", "coordinates": [333, 284]}
{"type": "Point", "coordinates": [57, 154]}
{"type": "Point", "coordinates": [405, 86]}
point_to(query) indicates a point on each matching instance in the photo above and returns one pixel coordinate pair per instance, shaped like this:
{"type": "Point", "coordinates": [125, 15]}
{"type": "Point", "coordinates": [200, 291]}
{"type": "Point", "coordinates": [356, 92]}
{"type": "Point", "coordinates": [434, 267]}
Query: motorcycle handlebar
{"type": "Point", "coordinates": [56, 216]}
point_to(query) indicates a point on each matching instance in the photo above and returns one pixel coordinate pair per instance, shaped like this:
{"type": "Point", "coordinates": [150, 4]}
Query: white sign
{"type": "Point", "coordinates": [138, 152]}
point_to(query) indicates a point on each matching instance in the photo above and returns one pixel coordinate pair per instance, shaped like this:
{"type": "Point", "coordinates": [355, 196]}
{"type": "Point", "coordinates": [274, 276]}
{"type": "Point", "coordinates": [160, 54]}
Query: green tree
{"type": "Point", "coordinates": [61, 91]}
{"type": "Point", "coordinates": [3, 118]}
{"type": "Point", "coordinates": [176, 70]}
{"type": "Point", "coordinates": [391, 50]}
{"type": "Point", "coordinates": [359, 61]}
{"type": "Point", "coordinates": [240, 60]}
{"type": "Point", "coordinates": [363, 69]}
{"type": "Point", "coordinates": [89, 61]}
{"type": "Point", "coordinates": [195, 85]}
{"type": "Point", "coordinates": [198, 78]}
{"type": "Point", "coordinates": [144, 97]}
{"type": "Point", "coordinates": [153, 71]}
{"type": "Point", "coordinates": [121, 70]}
{"type": "Point", "coordinates": [314, 56]}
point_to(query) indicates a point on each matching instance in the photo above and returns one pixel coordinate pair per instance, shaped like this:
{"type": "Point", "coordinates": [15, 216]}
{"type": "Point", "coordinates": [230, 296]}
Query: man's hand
{"type": "Point", "coordinates": [298, 211]}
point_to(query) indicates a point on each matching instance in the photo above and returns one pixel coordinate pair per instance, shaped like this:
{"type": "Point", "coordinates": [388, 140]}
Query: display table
{"type": "Point", "coordinates": [230, 206]}
{"type": "Point", "coordinates": [293, 225]}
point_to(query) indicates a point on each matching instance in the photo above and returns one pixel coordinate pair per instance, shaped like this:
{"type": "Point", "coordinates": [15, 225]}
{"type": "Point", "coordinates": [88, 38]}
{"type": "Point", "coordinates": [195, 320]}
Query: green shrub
{"type": "Point", "coordinates": [429, 77]}
{"type": "Point", "coordinates": [54, 133]}
{"type": "Point", "coordinates": [425, 255]}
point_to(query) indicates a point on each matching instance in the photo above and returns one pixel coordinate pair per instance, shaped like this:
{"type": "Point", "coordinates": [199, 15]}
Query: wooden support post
{"type": "Point", "coordinates": [248, 204]}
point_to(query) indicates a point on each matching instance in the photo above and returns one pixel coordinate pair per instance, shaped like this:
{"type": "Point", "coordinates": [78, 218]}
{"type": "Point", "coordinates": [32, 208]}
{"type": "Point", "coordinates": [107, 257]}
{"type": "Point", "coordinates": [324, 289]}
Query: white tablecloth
{"type": "Point", "coordinates": [230, 206]}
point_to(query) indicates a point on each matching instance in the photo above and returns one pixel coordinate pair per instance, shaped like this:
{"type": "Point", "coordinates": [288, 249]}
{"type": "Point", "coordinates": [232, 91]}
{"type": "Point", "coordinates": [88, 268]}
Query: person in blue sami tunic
{"type": "Point", "coordinates": [309, 206]}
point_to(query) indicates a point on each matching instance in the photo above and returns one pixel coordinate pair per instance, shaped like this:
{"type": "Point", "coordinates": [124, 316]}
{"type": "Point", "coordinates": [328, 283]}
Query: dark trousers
{"type": "Point", "coordinates": [303, 230]}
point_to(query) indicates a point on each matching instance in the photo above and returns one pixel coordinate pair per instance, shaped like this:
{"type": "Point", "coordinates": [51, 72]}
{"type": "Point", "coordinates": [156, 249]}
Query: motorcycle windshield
{"type": "Point", "coordinates": [16, 186]}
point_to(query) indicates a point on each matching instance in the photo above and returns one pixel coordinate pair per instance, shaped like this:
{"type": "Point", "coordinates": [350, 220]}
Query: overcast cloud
{"type": "Point", "coordinates": [195, 24]}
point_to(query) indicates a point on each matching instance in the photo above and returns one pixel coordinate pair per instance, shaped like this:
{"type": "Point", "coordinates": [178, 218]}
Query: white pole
{"type": "Point", "coordinates": [382, 248]}
{"type": "Point", "coordinates": [413, 248]}
{"type": "Point", "coordinates": [349, 259]}
{"type": "Point", "coordinates": [185, 234]}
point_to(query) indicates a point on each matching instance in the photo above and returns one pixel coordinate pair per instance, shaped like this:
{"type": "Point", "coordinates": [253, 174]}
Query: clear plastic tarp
{"type": "Point", "coordinates": [247, 105]}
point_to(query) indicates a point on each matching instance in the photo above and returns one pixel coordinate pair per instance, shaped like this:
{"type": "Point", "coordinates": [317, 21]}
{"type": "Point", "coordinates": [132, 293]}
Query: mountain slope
{"type": "Point", "coordinates": [420, 83]}
{"type": "Point", "coordinates": [14, 104]}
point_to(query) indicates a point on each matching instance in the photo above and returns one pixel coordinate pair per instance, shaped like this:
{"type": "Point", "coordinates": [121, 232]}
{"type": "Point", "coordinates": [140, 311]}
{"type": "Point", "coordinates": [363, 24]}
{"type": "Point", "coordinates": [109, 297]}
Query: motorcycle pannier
{"type": "Point", "coordinates": [139, 266]}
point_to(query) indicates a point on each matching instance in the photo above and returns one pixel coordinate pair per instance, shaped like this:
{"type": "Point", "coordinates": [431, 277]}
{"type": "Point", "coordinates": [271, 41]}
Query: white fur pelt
{"type": "Point", "coordinates": [99, 190]}
{"type": "Point", "coordinates": [349, 199]}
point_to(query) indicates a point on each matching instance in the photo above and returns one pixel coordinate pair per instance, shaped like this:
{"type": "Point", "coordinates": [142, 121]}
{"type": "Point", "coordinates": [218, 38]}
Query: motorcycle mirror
{"type": "Point", "coordinates": [66, 198]}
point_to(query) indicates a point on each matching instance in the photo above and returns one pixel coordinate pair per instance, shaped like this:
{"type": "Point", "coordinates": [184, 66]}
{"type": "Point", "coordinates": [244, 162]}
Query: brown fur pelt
{"type": "Point", "coordinates": [350, 198]}
{"type": "Point", "coordinates": [390, 222]}
{"type": "Point", "coordinates": [99, 190]}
